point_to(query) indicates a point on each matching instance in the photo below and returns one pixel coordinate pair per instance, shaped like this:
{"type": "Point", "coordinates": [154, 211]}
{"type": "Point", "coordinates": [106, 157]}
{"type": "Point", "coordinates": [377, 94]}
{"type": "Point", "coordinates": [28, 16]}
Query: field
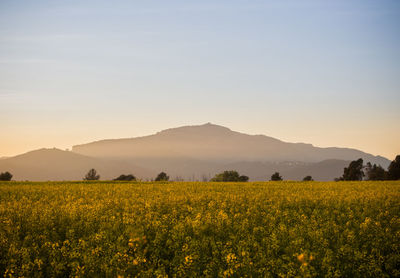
{"type": "Point", "coordinates": [189, 229]}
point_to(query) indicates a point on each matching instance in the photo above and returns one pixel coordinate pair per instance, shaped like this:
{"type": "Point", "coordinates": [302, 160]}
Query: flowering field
{"type": "Point", "coordinates": [268, 229]}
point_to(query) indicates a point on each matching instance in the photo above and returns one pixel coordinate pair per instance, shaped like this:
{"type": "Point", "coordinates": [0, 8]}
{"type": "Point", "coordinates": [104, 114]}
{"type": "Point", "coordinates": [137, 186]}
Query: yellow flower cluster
{"type": "Point", "coordinates": [194, 229]}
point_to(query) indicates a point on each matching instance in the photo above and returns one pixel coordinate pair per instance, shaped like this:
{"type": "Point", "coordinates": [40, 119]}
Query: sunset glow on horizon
{"type": "Point", "coordinates": [324, 73]}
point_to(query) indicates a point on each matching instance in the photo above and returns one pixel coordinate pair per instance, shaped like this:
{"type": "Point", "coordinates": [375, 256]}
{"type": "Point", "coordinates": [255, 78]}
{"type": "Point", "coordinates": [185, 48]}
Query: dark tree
{"type": "Point", "coordinates": [162, 177]}
{"type": "Point", "coordinates": [227, 176]}
{"type": "Point", "coordinates": [394, 169]}
{"type": "Point", "coordinates": [276, 177]}
{"type": "Point", "coordinates": [6, 176]}
{"type": "Point", "coordinates": [91, 175]}
{"type": "Point", "coordinates": [126, 178]}
{"type": "Point", "coordinates": [354, 172]}
{"type": "Point", "coordinates": [308, 178]}
{"type": "Point", "coordinates": [375, 172]}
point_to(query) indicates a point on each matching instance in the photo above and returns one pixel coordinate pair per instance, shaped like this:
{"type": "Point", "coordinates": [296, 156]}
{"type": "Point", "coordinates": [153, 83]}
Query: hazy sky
{"type": "Point", "coordinates": [321, 72]}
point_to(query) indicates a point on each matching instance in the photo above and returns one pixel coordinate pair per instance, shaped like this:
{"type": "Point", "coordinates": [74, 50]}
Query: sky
{"type": "Point", "coordinates": [320, 72]}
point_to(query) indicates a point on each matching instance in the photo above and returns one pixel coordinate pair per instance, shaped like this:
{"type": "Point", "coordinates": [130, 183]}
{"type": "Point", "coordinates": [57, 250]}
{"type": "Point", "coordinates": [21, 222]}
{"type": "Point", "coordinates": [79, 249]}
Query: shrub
{"type": "Point", "coordinates": [91, 175]}
{"type": "Point", "coordinates": [227, 176]}
{"type": "Point", "coordinates": [276, 177]}
{"type": "Point", "coordinates": [162, 177]}
{"type": "Point", "coordinates": [6, 176]}
{"type": "Point", "coordinates": [308, 178]}
{"type": "Point", "coordinates": [126, 178]}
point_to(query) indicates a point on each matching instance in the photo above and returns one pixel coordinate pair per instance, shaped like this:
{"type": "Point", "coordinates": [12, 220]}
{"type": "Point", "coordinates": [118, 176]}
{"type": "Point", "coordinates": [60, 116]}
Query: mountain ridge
{"type": "Point", "coordinates": [55, 164]}
{"type": "Point", "coordinates": [220, 143]}
{"type": "Point", "coordinates": [188, 152]}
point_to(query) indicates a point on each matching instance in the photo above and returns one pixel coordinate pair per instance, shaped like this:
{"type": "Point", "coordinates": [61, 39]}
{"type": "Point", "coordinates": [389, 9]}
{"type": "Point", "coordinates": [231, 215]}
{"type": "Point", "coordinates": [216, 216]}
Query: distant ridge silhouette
{"type": "Point", "coordinates": [55, 164]}
{"type": "Point", "coordinates": [218, 143]}
{"type": "Point", "coordinates": [189, 152]}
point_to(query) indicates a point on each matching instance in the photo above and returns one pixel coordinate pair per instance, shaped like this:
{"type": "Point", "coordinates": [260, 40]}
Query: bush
{"type": "Point", "coordinates": [227, 176]}
{"type": "Point", "coordinates": [276, 177]}
{"type": "Point", "coordinates": [6, 176]}
{"type": "Point", "coordinates": [91, 175]}
{"type": "Point", "coordinates": [308, 178]}
{"type": "Point", "coordinates": [126, 178]}
{"type": "Point", "coordinates": [162, 177]}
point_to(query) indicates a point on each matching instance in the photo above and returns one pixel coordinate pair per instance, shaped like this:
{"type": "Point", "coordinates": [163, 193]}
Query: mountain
{"type": "Point", "coordinates": [55, 164]}
{"type": "Point", "coordinates": [189, 152]}
{"type": "Point", "coordinates": [211, 142]}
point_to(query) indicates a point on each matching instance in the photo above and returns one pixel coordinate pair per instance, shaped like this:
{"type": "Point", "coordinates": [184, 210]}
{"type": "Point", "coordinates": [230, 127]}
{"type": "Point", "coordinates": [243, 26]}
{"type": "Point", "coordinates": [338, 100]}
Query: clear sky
{"type": "Point", "coordinates": [320, 72]}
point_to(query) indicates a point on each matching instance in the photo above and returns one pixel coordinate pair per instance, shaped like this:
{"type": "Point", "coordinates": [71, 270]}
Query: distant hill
{"type": "Point", "coordinates": [189, 152]}
{"type": "Point", "coordinates": [325, 170]}
{"type": "Point", "coordinates": [211, 142]}
{"type": "Point", "coordinates": [55, 164]}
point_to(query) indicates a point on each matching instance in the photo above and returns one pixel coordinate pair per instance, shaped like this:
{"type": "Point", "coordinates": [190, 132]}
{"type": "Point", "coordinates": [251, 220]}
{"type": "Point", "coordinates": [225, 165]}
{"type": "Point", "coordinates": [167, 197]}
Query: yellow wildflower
{"type": "Point", "coordinates": [188, 259]}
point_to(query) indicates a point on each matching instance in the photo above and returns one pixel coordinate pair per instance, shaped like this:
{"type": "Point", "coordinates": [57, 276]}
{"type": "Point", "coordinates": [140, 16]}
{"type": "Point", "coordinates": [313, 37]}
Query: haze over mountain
{"type": "Point", "coordinates": [55, 164]}
{"type": "Point", "coordinates": [217, 143]}
{"type": "Point", "coordinates": [189, 152]}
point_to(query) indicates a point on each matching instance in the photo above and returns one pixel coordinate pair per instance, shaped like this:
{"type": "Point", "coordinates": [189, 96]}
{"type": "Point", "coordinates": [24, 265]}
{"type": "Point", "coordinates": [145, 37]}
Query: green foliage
{"type": "Point", "coordinates": [394, 169]}
{"type": "Point", "coordinates": [162, 177]}
{"type": "Point", "coordinates": [307, 178]}
{"type": "Point", "coordinates": [227, 176]}
{"type": "Point", "coordinates": [375, 172]}
{"type": "Point", "coordinates": [276, 177]}
{"type": "Point", "coordinates": [354, 172]}
{"type": "Point", "coordinates": [91, 175]}
{"type": "Point", "coordinates": [6, 176]}
{"type": "Point", "coordinates": [126, 178]}
{"type": "Point", "coordinates": [194, 229]}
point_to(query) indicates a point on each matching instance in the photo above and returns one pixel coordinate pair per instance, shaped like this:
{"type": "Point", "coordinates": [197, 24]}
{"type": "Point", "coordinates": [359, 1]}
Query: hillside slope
{"type": "Point", "coordinates": [55, 164]}
{"type": "Point", "coordinates": [216, 143]}
{"type": "Point", "coordinates": [191, 153]}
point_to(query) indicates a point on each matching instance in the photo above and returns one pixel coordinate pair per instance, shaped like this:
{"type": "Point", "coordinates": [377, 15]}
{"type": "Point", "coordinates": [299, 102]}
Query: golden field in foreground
{"type": "Point", "coordinates": [267, 229]}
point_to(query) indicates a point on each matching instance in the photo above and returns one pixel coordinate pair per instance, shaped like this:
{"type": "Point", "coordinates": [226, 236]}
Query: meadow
{"type": "Point", "coordinates": [192, 229]}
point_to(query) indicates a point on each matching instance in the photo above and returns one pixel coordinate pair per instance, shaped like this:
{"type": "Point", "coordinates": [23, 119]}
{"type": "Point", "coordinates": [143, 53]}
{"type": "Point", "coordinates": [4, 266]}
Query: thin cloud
{"type": "Point", "coordinates": [28, 61]}
{"type": "Point", "coordinates": [41, 38]}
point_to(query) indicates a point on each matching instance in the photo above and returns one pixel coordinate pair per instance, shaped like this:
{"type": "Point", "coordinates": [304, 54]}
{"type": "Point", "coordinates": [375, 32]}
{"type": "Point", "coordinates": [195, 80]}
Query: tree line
{"type": "Point", "coordinates": [92, 175]}
{"type": "Point", "coordinates": [356, 171]}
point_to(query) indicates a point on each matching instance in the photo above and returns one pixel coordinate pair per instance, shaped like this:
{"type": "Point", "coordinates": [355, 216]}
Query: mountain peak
{"type": "Point", "coordinates": [186, 151]}
{"type": "Point", "coordinates": [211, 142]}
{"type": "Point", "coordinates": [204, 128]}
{"type": "Point", "coordinates": [45, 153]}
